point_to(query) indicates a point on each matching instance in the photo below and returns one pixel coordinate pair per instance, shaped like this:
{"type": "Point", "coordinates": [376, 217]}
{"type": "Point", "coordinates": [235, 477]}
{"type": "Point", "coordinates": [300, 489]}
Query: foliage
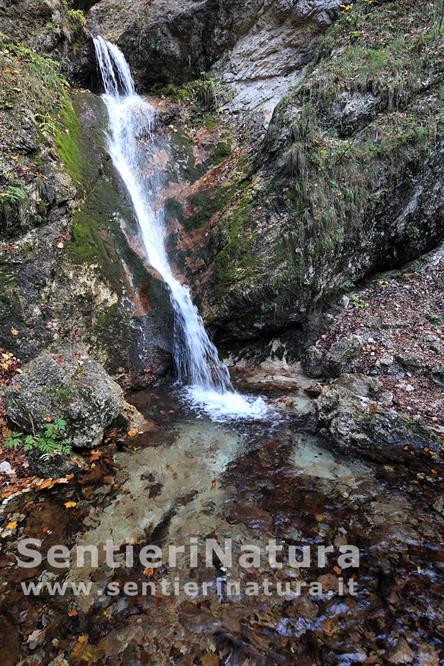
{"type": "Point", "coordinates": [52, 441]}
{"type": "Point", "coordinates": [77, 17]}
{"type": "Point", "coordinates": [391, 52]}
{"type": "Point", "coordinates": [13, 194]}
{"type": "Point", "coordinates": [207, 93]}
{"type": "Point", "coordinates": [347, 286]}
{"type": "Point", "coordinates": [358, 302]}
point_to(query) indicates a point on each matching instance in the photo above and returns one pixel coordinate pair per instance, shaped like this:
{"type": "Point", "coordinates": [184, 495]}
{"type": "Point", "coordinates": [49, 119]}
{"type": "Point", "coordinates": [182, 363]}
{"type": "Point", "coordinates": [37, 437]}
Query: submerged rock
{"type": "Point", "coordinates": [65, 385]}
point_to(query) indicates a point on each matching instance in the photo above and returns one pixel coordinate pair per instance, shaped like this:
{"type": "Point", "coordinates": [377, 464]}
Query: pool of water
{"type": "Point", "coordinates": [186, 479]}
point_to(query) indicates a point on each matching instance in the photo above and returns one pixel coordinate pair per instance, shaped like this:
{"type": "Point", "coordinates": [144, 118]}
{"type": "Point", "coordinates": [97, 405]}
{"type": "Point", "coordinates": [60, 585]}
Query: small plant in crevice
{"type": "Point", "coordinates": [358, 302]}
{"type": "Point", "coordinates": [77, 17]}
{"type": "Point", "coordinates": [13, 194]}
{"type": "Point", "coordinates": [434, 319]}
{"type": "Point", "coordinates": [52, 441]}
{"type": "Point", "coordinates": [347, 286]}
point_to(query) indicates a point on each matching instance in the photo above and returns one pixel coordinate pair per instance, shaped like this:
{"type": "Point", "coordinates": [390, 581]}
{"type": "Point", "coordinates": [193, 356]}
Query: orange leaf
{"type": "Point", "coordinates": [12, 525]}
{"type": "Point", "coordinates": [47, 483]}
{"type": "Point", "coordinates": [319, 517]}
{"type": "Point", "coordinates": [72, 613]}
{"type": "Point", "coordinates": [95, 455]}
{"type": "Point", "coordinates": [148, 571]}
{"type": "Point", "coordinates": [70, 505]}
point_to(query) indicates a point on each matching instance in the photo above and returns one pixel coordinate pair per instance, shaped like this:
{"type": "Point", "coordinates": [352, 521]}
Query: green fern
{"type": "Point", "coordinates": [52, 441]}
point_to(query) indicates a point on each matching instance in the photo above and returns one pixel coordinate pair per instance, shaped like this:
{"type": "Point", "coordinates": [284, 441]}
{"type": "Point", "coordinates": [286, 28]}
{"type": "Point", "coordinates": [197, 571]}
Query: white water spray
{"type": "Point", "coordinates": [131, 120]}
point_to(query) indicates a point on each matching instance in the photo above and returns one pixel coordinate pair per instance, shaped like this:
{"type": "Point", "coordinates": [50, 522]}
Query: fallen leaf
{"type": "Point", "coordinates": [72, 613]}
{"type": "Point", "coordinates": [70, 505]}
{"type": "Point", "coordinates": [148, 571]}
{"type": "Point", "coordinates": [95, 455]}
{"type": "Point", "coordinates": [14, 331]}
{"type": "Point", "coordinates": [47, 483]}
{"type": "Point", "coordinates": [319, 517]}
{"type": "Point", "coordinates": [12, 525]}
{"type": "Point", "coordinates": [133, 433]}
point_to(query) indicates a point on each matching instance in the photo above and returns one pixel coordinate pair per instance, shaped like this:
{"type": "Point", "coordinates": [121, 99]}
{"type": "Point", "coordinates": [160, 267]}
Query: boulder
{"type": "Point", "coordinates": [66, 385]}
{"type": "Point", "coordinates": [335, 361]}
{"type": "Point", "coordinates": [356, 423]}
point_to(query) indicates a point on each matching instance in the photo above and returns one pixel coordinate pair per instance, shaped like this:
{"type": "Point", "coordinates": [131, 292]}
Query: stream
{"type": "Point", "coordinates": [184, 480]}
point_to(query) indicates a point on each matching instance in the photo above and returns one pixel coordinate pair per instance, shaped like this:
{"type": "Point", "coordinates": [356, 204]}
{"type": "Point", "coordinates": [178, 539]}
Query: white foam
{"type": "Point", "coordinates": [228, 405]}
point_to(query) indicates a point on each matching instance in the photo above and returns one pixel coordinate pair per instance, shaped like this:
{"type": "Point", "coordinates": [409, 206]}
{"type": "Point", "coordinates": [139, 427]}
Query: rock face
{"type": "Point", "coordinates": [65, 385]}
{"type": "Point", "coordinates": [324, 202]}
{"type": "Point", "coordinates": [258, 48]}
{"type": "Point", "coordinates": [319, 203]}
{"type": "Point", "coordinates": [68, 270]}
{"type": "Point", "coordinates": [49, 27]}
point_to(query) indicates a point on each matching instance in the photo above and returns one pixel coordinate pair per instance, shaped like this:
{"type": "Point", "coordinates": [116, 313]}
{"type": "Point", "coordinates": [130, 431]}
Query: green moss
{"type": "Point", "coordinates": [238, 258]}
{"type": "Point", "coordinates": [208, 202]}
{"type": "Point", "coordinates": [222, 152]}
{"type": "Point", "coordinates": [210, 122]}
{"type": "Point", "coordinates": [67, 137]}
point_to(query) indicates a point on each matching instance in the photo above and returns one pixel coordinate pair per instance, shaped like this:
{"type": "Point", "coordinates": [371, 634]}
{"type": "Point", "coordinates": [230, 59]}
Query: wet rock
{"type": "Point", "coordinates": [65, 385]}
{"type": "Point", "coordinates": [313, 362]}
{"type": "Point", "coordinates": [355, 424]}
{"type": "Point", "coordinates": [342, 353]}
{"type": "Point", "coordinates": [313, 391]}
{"type": "Point", "coordinates": [335, 361]}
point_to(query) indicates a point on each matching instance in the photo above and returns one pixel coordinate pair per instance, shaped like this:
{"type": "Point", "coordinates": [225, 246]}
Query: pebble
{"type": "Point", "coordinates": [387, 360]}
{"type": "Point", "coordinates": [5, 468]}
{"type": "Point", "coordinates": [344, 301]}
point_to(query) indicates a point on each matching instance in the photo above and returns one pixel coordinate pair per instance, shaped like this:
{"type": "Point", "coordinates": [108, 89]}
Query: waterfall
{"type": "Point", "coordinates": [131, 125]}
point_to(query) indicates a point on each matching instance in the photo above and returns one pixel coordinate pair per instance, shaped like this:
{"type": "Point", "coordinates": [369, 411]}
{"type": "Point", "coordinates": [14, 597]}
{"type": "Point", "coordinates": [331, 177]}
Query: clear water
{"type": "Point", "coordinates": [131, 122]}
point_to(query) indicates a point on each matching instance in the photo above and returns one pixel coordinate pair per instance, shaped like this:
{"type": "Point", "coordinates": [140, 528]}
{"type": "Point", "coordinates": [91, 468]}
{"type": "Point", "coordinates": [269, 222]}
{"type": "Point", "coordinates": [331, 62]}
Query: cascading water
{"type": "Point", "coordinates": [131, 120]}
